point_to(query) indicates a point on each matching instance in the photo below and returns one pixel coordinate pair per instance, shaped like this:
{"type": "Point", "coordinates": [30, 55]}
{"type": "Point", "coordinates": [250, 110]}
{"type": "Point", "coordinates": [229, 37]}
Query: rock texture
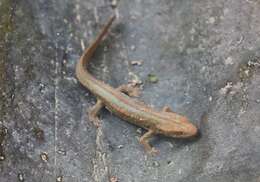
{"type": "Point", "coordinates": [204, 54]}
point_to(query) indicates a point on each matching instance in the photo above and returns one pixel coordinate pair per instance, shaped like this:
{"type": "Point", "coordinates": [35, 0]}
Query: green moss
{"type": "Point", "coordinates": [3, 133]}
{"type": "Point", "coordinates": [6, 27]}
{"type": "Point", "coordinates": [152, 78]}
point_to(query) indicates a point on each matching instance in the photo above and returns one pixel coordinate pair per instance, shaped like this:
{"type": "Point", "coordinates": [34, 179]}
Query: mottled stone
{"type": "Point", "coordinates": [205, 55]}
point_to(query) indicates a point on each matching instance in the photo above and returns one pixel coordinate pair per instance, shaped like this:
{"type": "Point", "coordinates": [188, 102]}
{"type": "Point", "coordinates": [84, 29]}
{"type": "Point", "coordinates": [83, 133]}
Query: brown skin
{"type": "Point", "coordinates": [119, 102]}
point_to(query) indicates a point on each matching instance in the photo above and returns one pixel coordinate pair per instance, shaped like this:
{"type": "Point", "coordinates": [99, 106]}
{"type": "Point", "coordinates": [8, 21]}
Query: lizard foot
{"type": "Point", "coordinates": [93, 113]}
{"type": "Point", "coordinates": [95, 120]}
{"type": "Point", "coordinates": [153, 151]}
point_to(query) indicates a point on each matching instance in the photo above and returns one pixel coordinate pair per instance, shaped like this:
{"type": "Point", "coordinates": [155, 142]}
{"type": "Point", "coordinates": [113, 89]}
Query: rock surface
{"type": "Point", "coordinates": [205, 56]}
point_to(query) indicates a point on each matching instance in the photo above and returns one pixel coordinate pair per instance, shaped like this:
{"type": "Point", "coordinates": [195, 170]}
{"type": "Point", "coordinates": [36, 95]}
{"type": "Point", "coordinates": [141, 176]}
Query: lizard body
{"type": "Point", "coordinates": [119, 102]}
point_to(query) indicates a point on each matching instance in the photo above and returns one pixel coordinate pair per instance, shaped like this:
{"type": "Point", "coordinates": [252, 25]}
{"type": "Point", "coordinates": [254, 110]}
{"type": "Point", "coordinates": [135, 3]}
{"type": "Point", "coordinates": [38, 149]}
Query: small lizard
{"type": "Point", "coordinates": [119, 102]}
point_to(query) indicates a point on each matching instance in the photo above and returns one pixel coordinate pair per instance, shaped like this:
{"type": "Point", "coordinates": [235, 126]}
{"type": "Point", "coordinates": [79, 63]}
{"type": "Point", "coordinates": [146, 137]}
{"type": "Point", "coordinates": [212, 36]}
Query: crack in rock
{"type": "Point", "coordinates": [100, 165]}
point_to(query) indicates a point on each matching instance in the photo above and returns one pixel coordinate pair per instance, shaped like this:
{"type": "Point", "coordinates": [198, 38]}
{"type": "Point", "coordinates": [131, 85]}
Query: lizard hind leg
{"type": "Point", "coordinates": [130, 90]}
{"type": "Point", "coordinates": [93, 113]}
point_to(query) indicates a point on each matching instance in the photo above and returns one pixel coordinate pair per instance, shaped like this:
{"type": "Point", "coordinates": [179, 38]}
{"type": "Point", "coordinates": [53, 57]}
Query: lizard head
{"type": "Point", "coordinates": [177, 126]}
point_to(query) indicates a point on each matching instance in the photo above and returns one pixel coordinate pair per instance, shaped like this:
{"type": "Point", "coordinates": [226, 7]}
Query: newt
{"type": "Point", "coordinates": [119, 101]}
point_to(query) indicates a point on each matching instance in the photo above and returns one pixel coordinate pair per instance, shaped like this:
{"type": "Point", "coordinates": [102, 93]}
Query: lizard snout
{"type": "Point", "coordinates": [191, 130]}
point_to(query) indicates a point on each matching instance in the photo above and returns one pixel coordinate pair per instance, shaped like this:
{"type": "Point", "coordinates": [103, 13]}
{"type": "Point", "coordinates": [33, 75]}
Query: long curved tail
{"type": "Point", "coordinates": [82, 74]}
{"type": "Point", "coordinates": [88, 52]}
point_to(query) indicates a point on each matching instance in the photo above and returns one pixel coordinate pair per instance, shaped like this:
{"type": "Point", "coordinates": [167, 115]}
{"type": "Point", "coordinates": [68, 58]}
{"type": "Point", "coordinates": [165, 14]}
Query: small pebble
{"type": "Point", "coordinates": [2, 157]}
{"type": "Point", "coordinates": [120, 146]}
{"type": "Point", "coordinates": [59, 179]}
{"type": "Point", "coordinates": [41, 87]}
{"type": "Point", "coordinates": [20, 177]}
{"type": "Point", "coordinates": [247, 72]}
{"type": "Point", "coordinates": [62, 152]}
{"type": "Point", "coordinates": [44, 157]}
{"type": "Point", "coordinates": [138, 63]}
{"type": "Point", "coordinates": [156, 164]}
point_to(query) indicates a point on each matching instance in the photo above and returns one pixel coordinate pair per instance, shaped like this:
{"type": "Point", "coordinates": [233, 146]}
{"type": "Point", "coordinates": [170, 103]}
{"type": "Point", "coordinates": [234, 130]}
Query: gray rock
{"type": "Point", "coordinates": [205, 55]}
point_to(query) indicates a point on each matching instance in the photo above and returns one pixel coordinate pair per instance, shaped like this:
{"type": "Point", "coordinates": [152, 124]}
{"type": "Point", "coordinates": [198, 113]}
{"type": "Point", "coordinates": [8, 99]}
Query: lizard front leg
{"type": "Point", "coordinates": [93, 112]}
{"type": "Point", "coordinates": [144, 140]}
{"type": "Point", "coordinates": [129, 90]}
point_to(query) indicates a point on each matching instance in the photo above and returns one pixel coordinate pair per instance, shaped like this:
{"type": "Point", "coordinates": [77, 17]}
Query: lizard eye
{"type": "Point", "coordinates": [179, 132]}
